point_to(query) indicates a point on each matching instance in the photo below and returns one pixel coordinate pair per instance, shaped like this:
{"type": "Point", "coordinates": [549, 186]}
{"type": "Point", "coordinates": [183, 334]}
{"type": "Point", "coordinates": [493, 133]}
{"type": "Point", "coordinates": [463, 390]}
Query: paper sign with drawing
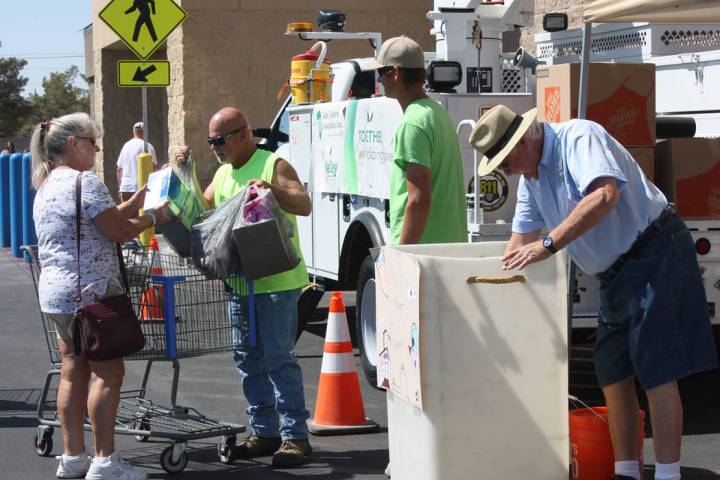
{"type": "Point", "coordinates": [398, 324]}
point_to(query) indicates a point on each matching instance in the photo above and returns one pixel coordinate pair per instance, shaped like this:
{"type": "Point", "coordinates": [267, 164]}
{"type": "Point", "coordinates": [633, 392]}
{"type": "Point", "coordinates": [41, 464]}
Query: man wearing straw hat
{"type": "Point", "coordinates": [581, 185]}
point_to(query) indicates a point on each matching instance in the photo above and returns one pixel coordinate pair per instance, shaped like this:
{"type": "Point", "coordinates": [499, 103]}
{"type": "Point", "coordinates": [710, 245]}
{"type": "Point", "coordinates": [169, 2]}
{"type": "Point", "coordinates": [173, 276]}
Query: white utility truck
{"type": "Point", "coordinates": [343, 149]}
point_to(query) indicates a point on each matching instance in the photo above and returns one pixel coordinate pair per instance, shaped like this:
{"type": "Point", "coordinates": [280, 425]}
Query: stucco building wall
{"type": "Point", "coordinates": [229, 52]}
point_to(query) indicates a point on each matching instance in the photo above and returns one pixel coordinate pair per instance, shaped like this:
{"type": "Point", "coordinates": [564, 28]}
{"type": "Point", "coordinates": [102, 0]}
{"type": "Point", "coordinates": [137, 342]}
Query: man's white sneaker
{"type": "Point", "coordinates": [73, 467]}
{"type": "Point", "coordinates": [114, 468]}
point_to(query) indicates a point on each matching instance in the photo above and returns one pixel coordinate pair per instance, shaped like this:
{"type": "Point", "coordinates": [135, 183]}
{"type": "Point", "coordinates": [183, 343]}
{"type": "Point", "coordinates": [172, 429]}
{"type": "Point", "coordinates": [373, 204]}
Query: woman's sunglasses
{"type": "Point", "coordinates": [89, 139]}
{"type": "Point", "coordinates": [220, 140]}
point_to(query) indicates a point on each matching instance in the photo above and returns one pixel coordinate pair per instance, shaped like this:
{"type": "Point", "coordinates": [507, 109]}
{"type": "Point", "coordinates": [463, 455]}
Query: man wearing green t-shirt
{"type": "Point", "coordinates": [427, 194]}
{"type": "Point", "coordinates": [270, 374]}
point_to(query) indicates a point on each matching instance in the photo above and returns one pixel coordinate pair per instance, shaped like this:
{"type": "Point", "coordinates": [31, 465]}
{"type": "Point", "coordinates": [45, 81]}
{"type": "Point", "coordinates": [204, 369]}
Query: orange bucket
{"type": "Point", "coordinates": [590, 445]}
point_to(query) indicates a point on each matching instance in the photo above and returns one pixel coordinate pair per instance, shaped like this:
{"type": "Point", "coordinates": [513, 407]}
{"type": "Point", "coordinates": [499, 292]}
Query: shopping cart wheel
{"type": "Point", "coordinates": [43, 442]}
{"type": "Point", "coordinates": [142, 424]}
{"type": "Point", "coordinates": [167, 463]}
{"type": "Point", "coordinates": [226, 449]}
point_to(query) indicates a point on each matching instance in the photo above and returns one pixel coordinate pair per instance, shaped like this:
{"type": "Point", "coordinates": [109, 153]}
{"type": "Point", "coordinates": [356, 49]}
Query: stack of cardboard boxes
{"type": "Point", "coordinates": [688, 172]}
{"type": "Point", "coordinates": [621, 97]}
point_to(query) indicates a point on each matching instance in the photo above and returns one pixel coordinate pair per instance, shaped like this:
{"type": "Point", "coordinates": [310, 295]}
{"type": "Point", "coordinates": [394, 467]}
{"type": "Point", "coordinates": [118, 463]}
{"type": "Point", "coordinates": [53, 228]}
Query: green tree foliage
{"type": "Point", "coordinates": [13, 107]}
{"type": "Point", "coordinates": [61, 97]}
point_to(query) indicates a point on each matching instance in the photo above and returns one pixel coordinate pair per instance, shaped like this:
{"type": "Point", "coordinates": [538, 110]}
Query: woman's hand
{"type": "Point", "coordinates": [161, 214]}
{"type": "Point", "coordinates": [138, 199]}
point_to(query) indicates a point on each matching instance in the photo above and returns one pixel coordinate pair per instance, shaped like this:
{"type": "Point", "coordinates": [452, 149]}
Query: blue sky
{"type": "Point", "coordinates": [47, 33]}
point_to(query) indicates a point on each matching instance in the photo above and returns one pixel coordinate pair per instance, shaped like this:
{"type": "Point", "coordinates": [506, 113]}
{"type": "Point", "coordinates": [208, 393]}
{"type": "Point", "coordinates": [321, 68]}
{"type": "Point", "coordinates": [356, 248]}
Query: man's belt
{"type": "Point", "coordinates": [667, 214]}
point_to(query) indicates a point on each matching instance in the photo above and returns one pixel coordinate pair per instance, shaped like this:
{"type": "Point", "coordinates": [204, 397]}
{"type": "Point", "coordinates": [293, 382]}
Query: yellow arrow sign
{"type": "Point", "coordinates": [132, 73]}
{"type": "Point", "coordinates": [143, 24]}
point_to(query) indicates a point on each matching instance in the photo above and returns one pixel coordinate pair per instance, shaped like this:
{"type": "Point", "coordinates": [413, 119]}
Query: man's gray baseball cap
{"type": "Point", "coordinates": [403, 52]}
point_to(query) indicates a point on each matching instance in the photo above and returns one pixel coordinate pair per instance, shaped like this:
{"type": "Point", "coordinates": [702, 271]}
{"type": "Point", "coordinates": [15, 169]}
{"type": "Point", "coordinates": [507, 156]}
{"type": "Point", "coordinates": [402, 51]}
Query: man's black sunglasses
{"type": "Point", "coordinates": [220, 140]}
{"type": "Point", "coordinates": [383, 70]}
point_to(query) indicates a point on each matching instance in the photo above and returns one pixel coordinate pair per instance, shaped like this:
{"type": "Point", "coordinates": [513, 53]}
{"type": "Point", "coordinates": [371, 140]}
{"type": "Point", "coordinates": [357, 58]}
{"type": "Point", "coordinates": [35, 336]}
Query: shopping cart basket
{"type": "Point", "coordinates": [183, 314]}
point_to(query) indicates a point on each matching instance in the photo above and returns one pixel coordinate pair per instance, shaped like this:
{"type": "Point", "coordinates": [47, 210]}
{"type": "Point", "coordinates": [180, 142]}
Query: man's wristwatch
{"type": "Point", "coordinates": [549, 244]}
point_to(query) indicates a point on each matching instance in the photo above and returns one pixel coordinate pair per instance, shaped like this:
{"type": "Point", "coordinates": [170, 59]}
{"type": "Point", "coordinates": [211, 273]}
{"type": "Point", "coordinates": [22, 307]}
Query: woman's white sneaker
{"type": "Point", "coordinates": [114, 468]}
{"type": "Point", "coordinates": [75, 466]}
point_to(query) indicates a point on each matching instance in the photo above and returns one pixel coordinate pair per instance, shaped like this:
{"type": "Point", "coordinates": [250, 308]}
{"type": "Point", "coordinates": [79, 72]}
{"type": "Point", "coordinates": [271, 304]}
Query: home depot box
{"type": "Point", "coordinates": [645, 157]}
{"type": "Point", "coordinates": [621, 98]}
{"type": "Point", "coordinates": [688, 172]}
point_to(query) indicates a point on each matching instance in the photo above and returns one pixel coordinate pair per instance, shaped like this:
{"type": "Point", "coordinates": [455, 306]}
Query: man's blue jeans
{"type": "Point", "coordinates": [270, 375]}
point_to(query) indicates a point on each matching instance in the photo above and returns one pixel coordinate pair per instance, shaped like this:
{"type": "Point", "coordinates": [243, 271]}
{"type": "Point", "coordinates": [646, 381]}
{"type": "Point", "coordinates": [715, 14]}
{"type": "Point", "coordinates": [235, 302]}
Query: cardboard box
{"type": "Point", "coordinates": [165, 185]}
{"type": "Point", "coordinates": [688, 172]}
{"type": "Point", "coordinates": [621, 98]}
{"type": "Point", "coordinates": [264, 247]}
{"type": "Point", "coordinates": [645, 157]}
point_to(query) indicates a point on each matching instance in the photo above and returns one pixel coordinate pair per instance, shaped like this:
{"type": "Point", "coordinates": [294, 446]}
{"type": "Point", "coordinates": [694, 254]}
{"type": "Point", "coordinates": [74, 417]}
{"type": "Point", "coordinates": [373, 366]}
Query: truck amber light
{"type": "Point", "coordinates": [702, 246]}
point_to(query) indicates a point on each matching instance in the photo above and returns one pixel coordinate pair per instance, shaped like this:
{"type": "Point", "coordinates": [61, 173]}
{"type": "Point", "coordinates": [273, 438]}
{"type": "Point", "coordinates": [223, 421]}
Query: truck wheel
{"type": "Point", "coordinates": [365, 320]}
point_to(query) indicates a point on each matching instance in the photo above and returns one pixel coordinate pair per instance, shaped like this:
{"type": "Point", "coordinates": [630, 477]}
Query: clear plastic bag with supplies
{"type": "Point", "coordinates": [213, 249]}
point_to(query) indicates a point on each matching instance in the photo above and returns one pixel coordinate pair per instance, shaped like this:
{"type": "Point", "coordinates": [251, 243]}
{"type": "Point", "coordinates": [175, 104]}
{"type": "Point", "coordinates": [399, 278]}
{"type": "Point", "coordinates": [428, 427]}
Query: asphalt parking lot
{"type": "Point", "coordinates": [210, 384]}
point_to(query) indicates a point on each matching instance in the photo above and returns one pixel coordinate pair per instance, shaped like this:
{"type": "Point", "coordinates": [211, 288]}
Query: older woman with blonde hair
{"type": "Point", "coordinates": [63, 149]}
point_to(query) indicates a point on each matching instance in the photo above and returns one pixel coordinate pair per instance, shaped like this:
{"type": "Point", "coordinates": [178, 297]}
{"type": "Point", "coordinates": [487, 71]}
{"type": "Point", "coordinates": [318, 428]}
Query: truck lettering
{"type": "Point", "coordinates": [370, 136]}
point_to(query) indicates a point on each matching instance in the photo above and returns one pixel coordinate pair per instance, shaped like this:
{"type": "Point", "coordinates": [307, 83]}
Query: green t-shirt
{"type": "Point", "coordinates": [426, 136]}
{"type": "Point", "coordinates": [228, 181]}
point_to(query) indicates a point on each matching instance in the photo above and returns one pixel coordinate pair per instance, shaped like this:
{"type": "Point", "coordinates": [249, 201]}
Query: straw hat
{"type": "Point", "coordinates": [496, 134]}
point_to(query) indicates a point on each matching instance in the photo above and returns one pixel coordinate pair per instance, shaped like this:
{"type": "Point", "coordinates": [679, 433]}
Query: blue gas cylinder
{"type": "Point", "coordinates": [27, 195]}
{"type": "Point", "coordinates": [4, 199]}
{"type": "Point", "coordinates": [15, 204]}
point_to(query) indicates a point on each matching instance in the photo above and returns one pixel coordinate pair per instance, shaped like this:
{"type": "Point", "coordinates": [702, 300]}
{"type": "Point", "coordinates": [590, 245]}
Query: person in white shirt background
{"type": "Point", "coordinates": [127, 162]}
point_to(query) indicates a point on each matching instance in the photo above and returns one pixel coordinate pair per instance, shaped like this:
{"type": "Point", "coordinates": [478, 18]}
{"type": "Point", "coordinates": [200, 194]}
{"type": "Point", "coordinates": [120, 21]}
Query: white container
{"type": "Point", "coordinates": [493, 368]}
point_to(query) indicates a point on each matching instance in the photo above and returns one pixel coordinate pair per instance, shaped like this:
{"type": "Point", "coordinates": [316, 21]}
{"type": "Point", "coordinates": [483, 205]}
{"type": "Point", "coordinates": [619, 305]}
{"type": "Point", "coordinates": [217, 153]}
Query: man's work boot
{"type": "Point", "coordinates": [292, 453]}
{"type": "Point", "coordinates": [254, 446]}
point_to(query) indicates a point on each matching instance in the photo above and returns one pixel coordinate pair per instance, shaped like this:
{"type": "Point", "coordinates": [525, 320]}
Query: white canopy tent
{"type": "Point", "coordinates": [654, 11]}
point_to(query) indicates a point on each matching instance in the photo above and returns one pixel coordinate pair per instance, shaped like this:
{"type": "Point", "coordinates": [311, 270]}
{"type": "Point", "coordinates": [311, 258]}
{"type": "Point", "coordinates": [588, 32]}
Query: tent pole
{"type": "Point", "coordinates": [584, 69]}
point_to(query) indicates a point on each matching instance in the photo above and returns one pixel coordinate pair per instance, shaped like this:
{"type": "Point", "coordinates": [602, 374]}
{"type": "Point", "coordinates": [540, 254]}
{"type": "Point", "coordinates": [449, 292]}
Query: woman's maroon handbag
{"type": "Point", "coordinates": [107, 329]}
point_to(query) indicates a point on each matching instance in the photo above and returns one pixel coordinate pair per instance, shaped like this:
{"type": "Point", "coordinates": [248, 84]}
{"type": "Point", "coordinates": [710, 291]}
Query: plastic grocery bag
{"type": "Point", "coordinates": [213, 249]}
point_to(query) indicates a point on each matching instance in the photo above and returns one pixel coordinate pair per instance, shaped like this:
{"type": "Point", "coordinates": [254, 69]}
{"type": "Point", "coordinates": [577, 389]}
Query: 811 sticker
{"type": "Point", "coordinates": [492, 191]}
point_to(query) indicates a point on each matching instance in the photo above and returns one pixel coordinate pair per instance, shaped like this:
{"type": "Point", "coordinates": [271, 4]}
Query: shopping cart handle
{"type": "Point", "coordinates": [168, 278]}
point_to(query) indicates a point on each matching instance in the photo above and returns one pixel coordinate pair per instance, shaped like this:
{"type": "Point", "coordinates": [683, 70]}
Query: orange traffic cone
{"type": "Point", "coordinates": [152, 296]}
{"type": "Point", "coordinates": [339, 408]}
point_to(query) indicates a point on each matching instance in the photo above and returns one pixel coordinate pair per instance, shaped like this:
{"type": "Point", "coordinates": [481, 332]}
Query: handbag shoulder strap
{"type": "Point", "coordinates": [78, 194]}
{"type": "Point", "coordinates": [121, 263]}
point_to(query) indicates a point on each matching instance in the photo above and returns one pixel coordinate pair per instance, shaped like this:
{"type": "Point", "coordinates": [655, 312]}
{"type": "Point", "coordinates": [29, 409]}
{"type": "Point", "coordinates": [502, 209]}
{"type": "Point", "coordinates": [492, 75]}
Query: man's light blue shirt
{"type": "Point", "coordinates": [576, 153]}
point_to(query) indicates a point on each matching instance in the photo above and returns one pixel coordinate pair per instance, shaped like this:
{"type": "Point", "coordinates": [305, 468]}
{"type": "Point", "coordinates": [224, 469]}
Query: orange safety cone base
{"type": "Point", "coordinates": [368, 426]}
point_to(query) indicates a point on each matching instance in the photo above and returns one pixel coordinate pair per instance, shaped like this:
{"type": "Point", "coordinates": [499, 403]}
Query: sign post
{"type": "Point", "coordinates": [143, 25]}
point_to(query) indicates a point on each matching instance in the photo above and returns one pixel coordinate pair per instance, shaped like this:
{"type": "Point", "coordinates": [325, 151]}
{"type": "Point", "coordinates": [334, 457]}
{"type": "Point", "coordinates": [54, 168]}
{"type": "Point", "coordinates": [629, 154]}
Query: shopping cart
{"type": "Point", "coordinates": [183, 314]}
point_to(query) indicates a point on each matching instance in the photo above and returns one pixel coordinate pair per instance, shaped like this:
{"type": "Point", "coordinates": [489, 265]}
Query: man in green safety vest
{"type": "Point", "coordinates": [270, 374]}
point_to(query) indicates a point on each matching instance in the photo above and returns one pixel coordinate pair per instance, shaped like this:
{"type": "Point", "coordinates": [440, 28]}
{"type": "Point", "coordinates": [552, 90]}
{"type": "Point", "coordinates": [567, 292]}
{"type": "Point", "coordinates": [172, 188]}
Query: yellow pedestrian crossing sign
{"type": "Point", "coordinates": [154, 73]}
{"type": "Point", "coordinates": [142, 24]}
